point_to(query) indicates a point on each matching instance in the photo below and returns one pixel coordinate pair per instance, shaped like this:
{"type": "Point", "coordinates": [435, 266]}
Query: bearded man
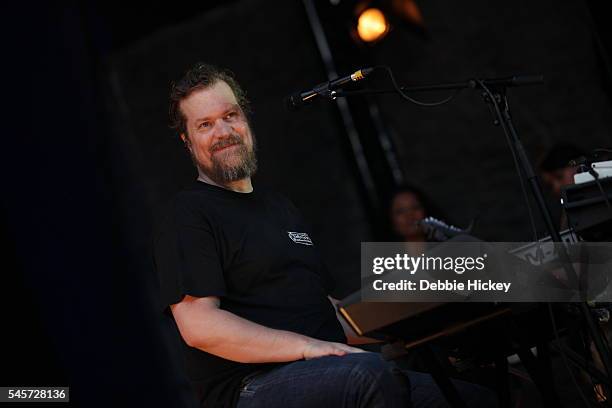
{"type": "Point", "coordinates": [243, 281]}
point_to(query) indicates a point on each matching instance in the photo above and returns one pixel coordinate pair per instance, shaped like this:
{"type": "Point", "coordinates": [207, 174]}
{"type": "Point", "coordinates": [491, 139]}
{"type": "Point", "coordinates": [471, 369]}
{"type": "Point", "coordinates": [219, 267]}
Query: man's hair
{"type": "Point", "coordinates": [201, 76]}
{"type": "Point", "coordinates": [559, 156]}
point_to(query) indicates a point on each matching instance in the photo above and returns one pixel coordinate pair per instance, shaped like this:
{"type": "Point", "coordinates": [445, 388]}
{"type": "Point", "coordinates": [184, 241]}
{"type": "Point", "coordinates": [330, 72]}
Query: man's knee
{"type": "Point", "coordinates": [426, 393]}
{"type": "Point", "coordinates": [377, 381]}
{"type": "Point", "coordinates": [367, 365]}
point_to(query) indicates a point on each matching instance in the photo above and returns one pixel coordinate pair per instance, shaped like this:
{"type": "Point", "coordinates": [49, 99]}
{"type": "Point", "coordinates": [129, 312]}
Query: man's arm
{"type": "Point", "coordinates": [351, 336]}
{"type": "Point", "coordinates": [206, 327]}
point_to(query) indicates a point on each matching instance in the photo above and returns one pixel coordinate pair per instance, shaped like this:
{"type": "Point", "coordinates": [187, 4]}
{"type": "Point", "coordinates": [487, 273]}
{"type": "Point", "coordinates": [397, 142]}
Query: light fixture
{"type": "Point", "coordinates": [372, 25]}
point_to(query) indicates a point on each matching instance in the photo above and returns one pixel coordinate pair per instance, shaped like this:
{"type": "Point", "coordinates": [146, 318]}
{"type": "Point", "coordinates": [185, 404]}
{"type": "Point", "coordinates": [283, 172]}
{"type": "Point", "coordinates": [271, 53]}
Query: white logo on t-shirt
{"type": "Point", "coordinates": [300, 238]}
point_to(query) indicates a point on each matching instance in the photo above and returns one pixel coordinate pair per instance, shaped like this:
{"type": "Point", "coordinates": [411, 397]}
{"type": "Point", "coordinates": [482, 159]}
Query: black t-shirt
{"type": "Point", "coordinates": [255, 253]}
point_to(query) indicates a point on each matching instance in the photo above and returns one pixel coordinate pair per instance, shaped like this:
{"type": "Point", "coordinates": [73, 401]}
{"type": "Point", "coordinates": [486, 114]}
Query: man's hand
{"type": "Point", "coordinates": [318, 348]}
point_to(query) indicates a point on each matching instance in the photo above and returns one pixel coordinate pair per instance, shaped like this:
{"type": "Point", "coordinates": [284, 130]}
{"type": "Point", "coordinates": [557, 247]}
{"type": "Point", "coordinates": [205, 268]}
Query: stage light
{"type": "Point", "coordinates": [372, 25]}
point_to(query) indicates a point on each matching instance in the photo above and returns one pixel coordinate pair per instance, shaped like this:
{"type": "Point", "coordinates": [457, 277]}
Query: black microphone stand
{"type": "Point", "coordinates": [494, 93]}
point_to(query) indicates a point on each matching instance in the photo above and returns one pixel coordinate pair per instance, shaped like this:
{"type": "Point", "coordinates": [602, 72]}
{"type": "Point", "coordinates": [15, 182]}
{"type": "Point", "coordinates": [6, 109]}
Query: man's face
{"type": "Point", "coordinates": [218, 134]}
{"type": "Point", "coordinates": [559, 178]}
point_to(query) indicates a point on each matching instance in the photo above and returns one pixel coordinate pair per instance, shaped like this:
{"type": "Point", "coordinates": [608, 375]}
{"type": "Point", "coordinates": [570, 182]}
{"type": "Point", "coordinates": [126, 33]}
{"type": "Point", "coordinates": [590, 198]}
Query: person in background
{"type": "Point", "coordinates": [555, 166]}
{"type": "Point", "coordinates": [408, 206]}
{"type": "Point", "coordinates": [556, 171]}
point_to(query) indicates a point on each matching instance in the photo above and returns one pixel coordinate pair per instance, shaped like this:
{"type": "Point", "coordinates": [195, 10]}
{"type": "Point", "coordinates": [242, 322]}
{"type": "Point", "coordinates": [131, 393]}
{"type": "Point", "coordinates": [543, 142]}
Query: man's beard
{"type": "Point", "coordinates": [243, 161]}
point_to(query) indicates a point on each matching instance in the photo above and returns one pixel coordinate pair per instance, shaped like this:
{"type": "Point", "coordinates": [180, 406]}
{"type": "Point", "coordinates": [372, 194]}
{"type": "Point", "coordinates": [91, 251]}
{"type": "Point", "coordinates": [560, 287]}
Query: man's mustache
{"type": "Point", "coordinates": [228, 141]}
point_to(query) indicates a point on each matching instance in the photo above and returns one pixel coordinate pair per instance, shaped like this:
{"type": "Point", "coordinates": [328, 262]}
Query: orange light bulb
{"type": "Point", "coordinates": [372, 25]}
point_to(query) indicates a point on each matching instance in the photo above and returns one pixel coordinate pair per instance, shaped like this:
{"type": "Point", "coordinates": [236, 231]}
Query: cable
{"type": "Point", "coordinates": [595, 175]}
{"type": "Point", "coordinates": [583, 164]}
{"type": "Point", "coordinates": [398, 89]}
{"type": "Point", "coordinates": [564, 357]}
{"type": "Point", "coordinates": [587, 356]}
{"type": "Point", "coordinates": [605, 336]}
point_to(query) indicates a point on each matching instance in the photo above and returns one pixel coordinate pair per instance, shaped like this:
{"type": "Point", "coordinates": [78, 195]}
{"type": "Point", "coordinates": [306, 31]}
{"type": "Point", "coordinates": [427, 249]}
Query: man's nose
{"type": "Point", "coordinates": [222, 129]}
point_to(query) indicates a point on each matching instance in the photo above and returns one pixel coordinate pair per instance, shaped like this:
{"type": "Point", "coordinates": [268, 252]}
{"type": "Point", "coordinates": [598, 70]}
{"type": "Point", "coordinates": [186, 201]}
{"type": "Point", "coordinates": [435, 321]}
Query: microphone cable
{"type": "Point", "coordinates": [398, 89]}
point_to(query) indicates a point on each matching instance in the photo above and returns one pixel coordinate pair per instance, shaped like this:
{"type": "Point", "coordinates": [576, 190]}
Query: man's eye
{"type": "Point", "coordinates": [231, 115]}
{"type": "Point", "coordinates": [204, 125]}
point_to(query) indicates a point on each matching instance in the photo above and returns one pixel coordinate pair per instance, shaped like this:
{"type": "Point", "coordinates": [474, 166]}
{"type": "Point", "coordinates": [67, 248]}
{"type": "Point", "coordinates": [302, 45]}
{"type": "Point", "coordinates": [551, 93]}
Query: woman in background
{"type": "Point", "coordinates": [409, 205]}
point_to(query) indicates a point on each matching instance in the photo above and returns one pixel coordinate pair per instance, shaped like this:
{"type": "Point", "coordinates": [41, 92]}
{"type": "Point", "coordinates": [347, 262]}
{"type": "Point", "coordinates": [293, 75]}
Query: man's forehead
{"type": "Point", "coordinates": [209, 100]}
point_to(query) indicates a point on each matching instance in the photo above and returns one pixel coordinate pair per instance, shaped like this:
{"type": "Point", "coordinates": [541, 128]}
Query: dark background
{"type": "Point", "coordinates": [89, 160]}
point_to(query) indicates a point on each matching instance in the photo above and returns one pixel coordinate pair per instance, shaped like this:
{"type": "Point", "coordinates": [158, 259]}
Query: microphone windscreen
{"type": "Point", "coordinates": [366, 71]}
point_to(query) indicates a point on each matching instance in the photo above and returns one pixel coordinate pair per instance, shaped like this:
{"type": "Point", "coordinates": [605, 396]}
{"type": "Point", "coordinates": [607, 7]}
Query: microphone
{"type": "Point", "coordinates": [299, 99]}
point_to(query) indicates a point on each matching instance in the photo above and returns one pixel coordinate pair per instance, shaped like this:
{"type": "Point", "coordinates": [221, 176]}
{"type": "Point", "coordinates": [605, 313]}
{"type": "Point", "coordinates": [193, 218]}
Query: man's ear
{"type": "Point", "coordinates": [185, 140]}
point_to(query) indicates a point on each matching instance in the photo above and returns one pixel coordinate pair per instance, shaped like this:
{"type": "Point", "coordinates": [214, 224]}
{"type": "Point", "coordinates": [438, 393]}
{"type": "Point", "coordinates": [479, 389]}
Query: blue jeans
{"type": "Point", "coordinates": [354, 380]}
